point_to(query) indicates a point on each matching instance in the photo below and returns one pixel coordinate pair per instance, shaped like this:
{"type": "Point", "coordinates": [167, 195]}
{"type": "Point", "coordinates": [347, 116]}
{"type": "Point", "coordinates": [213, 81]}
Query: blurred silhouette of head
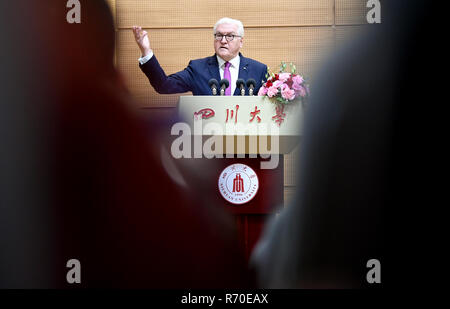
{"type": "Point", "coordinates": [83, 180]}
{"type": "Point", "coordinates": [86, 47]}
{"type": "Point", "coordinates": [337, 221]}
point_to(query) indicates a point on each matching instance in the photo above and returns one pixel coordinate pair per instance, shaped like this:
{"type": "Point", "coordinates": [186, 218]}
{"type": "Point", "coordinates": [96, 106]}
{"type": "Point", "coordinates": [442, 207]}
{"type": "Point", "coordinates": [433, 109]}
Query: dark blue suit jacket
{"type": "Point", "coordinates": [195, 77]}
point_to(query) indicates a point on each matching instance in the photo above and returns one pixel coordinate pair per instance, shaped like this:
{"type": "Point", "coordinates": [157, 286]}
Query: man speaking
{"type": "Point", "coordinates": [227, 63]}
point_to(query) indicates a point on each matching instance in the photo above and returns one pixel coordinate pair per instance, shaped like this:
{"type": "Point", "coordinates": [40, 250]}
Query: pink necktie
{"type": "Point", "coordinates": [227, 75]}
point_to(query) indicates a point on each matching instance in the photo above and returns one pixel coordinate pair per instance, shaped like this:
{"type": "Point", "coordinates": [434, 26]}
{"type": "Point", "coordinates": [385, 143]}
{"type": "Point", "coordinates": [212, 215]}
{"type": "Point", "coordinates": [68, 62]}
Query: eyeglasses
{"type": "Point", "coordinates": [228, 37]}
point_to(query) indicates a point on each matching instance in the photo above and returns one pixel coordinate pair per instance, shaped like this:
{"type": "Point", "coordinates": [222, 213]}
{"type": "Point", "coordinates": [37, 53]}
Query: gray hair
{"type": "Point", "coordinates": [227, 20]}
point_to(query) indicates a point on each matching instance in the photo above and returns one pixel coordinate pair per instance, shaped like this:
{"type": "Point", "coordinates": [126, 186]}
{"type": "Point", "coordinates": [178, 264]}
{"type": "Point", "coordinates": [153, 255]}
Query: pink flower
{"type": "Point", "coordinates": [296, 86]}
{"type": "Point", "coordinates": [288, 93]}
{"type": "Point", "coordinates": [300, 91]}
{"type": "Point", "coordinates": [284, 76]}
{"type": "Point", "coordinates": [298, 79]}
{"type": "Point", "coordinates": [272, 91]}
{"type": "Point", "coordinates": [277, 83]}
{"type": "Point", "coordinates": [262, 91]}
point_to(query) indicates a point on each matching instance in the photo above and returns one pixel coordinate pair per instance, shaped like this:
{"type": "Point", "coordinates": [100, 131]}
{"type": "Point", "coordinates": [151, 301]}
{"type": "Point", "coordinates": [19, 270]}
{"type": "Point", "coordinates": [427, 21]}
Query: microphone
{"type": "Point", "coordinates": [241, 85]}
{"type": "Point", "coordinates": [251, 83]}
{"type": "Point", "coordinates": [224, 83]}
{"type": "Point", "coordinates": [213, 84]}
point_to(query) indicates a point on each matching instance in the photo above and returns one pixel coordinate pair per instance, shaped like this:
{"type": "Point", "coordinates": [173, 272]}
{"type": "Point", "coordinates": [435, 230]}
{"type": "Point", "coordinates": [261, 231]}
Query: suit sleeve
{"type": "Point", "coordinates": [263, 76]}
{"type": "Point", "coordinates": [175, 83]}
{"type": "Point", "coordinates": [261, 79]}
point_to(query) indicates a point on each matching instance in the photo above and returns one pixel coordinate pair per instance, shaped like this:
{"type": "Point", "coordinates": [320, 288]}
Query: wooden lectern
{"type": "Point", "coordinates": [237, 131]}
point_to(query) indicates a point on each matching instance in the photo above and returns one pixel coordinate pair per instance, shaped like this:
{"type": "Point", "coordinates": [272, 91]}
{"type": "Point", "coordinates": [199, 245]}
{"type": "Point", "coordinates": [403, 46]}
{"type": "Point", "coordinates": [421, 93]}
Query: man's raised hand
{"type": "Point", "coordinates": [142, 40]}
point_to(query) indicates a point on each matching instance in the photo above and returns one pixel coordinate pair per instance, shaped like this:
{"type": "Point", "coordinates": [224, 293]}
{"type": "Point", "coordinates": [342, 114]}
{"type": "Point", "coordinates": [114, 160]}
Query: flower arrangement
{"type": "Point", "coordinates": [284, 87]}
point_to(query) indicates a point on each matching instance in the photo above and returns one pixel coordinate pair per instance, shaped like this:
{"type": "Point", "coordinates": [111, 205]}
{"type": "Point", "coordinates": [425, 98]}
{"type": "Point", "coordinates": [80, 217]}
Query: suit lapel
{"type": "Point", "coordinates": [243, 72]}
{"type": "Point", "coordinates": [213, 67]}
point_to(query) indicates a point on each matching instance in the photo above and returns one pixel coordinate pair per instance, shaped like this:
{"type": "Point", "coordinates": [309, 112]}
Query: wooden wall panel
{"type": "Point", "coordinates": [289, 195]}
{"type": "Point", "coordinates": [290, 167]}
{"type": "Point", "coordinates": [351, 12]}
{"type": "Point", "coordinates": [305, 46]}
{"type": "Point", "coordinates": [173, 48]}
{"type": "Point", "coordinates": [204, 13]}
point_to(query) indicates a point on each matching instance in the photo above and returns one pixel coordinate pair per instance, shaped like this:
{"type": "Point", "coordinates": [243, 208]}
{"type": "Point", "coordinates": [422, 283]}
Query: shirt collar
{"type": "Point", "coordinates": [234, 62]}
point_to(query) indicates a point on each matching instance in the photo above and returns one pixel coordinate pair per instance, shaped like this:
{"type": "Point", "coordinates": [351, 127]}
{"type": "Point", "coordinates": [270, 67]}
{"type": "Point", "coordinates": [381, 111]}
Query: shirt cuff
{"type": "Point", "coordinates": [144, 59]}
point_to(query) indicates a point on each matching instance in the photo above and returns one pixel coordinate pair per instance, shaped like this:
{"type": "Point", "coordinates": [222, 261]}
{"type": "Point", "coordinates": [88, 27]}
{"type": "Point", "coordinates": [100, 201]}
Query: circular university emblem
{"type": "Point", "coordinates": [238, 183]}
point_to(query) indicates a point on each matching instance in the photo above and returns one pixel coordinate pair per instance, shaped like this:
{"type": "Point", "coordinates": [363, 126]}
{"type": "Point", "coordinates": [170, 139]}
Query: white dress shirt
{"type": "Point", "coordinates": [234, 68]}
{"type": "Point", "coordinates": [144, 59]}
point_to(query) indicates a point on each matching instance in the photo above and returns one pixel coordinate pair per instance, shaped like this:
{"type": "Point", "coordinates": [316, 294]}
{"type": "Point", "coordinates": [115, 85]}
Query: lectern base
{"type": "Point", "coordinates": [250, 216]}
